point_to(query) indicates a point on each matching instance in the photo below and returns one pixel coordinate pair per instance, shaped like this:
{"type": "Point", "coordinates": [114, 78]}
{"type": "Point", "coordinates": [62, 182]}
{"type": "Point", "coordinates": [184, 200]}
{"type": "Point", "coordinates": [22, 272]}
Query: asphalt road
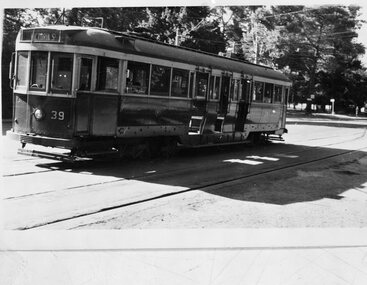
{"type": "Point", "coordinates": [316, 178]}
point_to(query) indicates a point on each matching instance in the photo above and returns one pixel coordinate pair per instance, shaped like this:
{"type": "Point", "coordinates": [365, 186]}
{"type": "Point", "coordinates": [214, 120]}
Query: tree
{"type": "Point", "coordinates": [317, 43]}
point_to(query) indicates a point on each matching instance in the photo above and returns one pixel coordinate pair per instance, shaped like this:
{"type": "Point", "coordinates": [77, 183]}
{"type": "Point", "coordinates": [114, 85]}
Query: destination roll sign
{"type": "Point", "coordinates": [41, 35]}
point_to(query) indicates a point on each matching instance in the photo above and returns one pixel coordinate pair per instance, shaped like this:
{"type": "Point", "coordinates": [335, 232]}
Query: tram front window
{"type": "Point", "coordinates": [38, 71]}
{"type": "Point", "coordinates": [62, 67]}
{"type": "Point", "coordinates": [22, 64]}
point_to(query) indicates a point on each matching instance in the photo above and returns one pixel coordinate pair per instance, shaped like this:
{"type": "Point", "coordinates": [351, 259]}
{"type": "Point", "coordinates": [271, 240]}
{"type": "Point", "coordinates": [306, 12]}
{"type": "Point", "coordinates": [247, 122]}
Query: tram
{"type": "Point", "coordinates": [95, 91]}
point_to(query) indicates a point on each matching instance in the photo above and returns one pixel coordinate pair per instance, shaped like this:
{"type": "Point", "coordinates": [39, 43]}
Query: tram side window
{"type": "Point", "coordinates": [202, 80]}
{"type": "Point", "coordinates": [62, 69]}
{"type": "Point", "coordinates": [160, 80]}
{"type": "Point", "coordinates": [278, 94]}
{"type": "Point", "coordinates": [22, 63]}
{"type": "Point", "coordinates": [180, 83]}
{"type": "Point", "coordinates": [191, 87]}
{"type": "Point", "coordinates": [38, 71]}
{"type": "Point", "coordinates": [246, 90]}
{"type": "Point", "coordinates": [268, 94]}
{"type": "Point", "coordinates": [107, 77]}
{"type": "Point", "coordinates": [214, 87]}
{"type": "Point", "coordinates": [234, 89]}
{"type": "Point", "coordinates": [258, 91]}
{"type": "Point", "coordinates": [85, 74]}
{"type": "Point", "coordinates": [137, 80]}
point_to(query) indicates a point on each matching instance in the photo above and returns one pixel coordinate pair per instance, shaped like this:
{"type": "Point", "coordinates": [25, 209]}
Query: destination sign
{"type": "Point", "coordinates": [46, 36]}
{"type": "Point", "coordinates": [41, 35]}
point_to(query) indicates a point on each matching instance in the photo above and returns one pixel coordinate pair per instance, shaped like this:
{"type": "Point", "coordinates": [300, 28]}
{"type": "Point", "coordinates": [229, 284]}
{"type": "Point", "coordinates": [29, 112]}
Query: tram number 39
{"type": "Point", "coordinates": [57, 115]}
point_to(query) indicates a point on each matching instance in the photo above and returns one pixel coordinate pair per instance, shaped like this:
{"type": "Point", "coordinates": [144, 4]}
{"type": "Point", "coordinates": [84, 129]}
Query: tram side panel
{"type": "Point", "coordinates": [21, 113]}
{"type": "Point", "coordinates": [264, 117]}
{"type": "Point", "coordinates": [152, 117]}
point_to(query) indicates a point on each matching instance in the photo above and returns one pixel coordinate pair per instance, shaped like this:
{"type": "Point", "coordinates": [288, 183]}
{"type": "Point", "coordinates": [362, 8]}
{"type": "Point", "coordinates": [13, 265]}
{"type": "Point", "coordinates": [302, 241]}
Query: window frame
{"type": "Point", "coordinates": [98, 78]}
{"type": "Point", "coordinates": [26, 71]}
{"type": "Point", "coordinates": [126, 79]}
{"type": "Point", "coordinates": [188, 82]}
{"type": "Point", "coordinates": [80, 57]}
{"type": "Point", "coordinates": [53, 90]}
{"type": "Point", "coordinates": [207, 74]}
{"type": "Point", "coordinates": [254, 91]}
{"type": "Point", "coordinates": [271, 89]}
{"type": "Point", "coordinates": [162, 94]}
{"type": "Point", "coordinates": [31, 72]}
{"type": "Point", "coordinates": [281, 94]}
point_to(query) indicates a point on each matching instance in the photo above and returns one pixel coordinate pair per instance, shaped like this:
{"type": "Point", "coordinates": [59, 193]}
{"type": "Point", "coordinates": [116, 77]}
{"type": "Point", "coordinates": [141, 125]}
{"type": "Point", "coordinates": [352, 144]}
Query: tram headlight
{"type": "Point", "coordinates": [39, 114]}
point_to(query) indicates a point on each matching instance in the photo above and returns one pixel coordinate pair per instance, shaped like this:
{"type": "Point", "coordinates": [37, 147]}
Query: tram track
{"type": "Point", "coordinates": [149, 175]}
{"type": "Point", "coordinates": [168, 180]}
{"type": "Point", "coordinates": [222, 183]}
{"type": "Point", "coordinates": [83, 165]}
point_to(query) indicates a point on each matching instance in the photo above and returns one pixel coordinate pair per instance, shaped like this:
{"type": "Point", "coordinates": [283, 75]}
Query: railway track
{"type": "Point", "coordinates": [203, 187]}
{"type": "Point", "coordinates": [170, 176]}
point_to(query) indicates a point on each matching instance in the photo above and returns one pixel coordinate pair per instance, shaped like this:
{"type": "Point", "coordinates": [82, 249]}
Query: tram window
{"type": "Point", "coordinates": [191, 87]}
{"type": "Point", "coordinates": [246, 89]}
{"type": "Point", "coordinates": [22, 63]}
{"type": "Point", "coordinates": [38, 71]}
{"type": "Point", "coordinates": [234, 89]}
{"type": "Point", "coordinates": [201, 84]}
{"type": "Point", "coordinates": [231, 92]}
{"type": "Point", "coordinates": [211, 86]}
{"type": "Point", "coordinates": [286, 94]}
{"type": "Point", "coordinates": [278, 94]}
{"type": "Point", "coordinates": [160, 80]}
{"type": "Point", "coordinates": [258, 91]}
{"type": "Point", "coordinates": [180, 83]}
{"type": "Point", "coordinates": [268, 94]}
{"type": "Point", "coordinates": [137, 80]}
{"type": "Point", "coordinates": [214, 87]}
{"type": "Point", "coordinates": [85, 74]}
{"type": "Point", "coordinates": [62, 68]}
{"type": "Point", "coordinates": [107, 77]}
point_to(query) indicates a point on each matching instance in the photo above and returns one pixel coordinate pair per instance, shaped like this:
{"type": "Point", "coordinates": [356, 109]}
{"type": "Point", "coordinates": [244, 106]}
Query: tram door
{"type": "Point", "coordinates": [224, 96]}
{"type": "Point", "coordinates": [243, 105]}
{"type": "Point", "coordinates": [96, 110]}
{"type": "Point", "coordinates": [83, 97]}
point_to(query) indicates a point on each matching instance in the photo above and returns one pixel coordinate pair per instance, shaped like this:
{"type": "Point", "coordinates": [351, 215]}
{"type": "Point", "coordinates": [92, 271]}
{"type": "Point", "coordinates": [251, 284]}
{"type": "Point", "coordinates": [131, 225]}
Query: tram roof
{"type": "Point", "coordinates": [128, 43]}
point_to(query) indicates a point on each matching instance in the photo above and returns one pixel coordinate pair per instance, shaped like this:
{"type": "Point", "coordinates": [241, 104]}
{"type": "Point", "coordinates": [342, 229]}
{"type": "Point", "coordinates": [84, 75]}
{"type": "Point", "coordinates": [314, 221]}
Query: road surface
{"type": "Point", "coordinates": [316, 178]}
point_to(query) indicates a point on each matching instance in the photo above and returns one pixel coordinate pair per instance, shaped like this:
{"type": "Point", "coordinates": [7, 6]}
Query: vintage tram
{"type": "Point", "coordinates": [91, 90]}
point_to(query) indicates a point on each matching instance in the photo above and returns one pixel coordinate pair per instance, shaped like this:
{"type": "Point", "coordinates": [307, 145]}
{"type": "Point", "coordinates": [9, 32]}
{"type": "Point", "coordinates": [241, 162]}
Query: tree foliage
{"type": "Point", "coordinates": [316, 47]}
{"type": "Point", "coordinates": [319, 48]}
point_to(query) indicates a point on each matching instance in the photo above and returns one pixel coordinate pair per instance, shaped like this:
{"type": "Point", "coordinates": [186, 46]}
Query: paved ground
{"type": "Point", "coordinates": [335, 256]}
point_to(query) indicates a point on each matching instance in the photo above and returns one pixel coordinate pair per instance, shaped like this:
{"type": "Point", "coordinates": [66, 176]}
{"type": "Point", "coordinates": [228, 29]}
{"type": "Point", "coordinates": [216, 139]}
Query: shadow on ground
{"type": "Point", "coordinates": [274, 173]}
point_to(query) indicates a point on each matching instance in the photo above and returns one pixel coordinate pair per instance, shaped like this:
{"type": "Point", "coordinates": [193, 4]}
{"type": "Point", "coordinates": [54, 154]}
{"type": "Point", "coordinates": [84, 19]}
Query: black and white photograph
{"type": "Point", "coordinates": [188, 143]}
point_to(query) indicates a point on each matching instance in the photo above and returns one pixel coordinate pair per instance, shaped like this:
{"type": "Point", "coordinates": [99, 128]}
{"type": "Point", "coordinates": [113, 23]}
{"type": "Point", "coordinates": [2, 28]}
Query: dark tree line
{"type": "Point", "coordinates": [316, 47]}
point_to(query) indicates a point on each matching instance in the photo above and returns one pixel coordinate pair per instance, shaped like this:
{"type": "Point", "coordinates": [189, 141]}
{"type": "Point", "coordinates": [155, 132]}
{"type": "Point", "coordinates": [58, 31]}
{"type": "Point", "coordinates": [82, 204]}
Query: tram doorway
{"type": "Point", "coordinates": [224, 96]}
